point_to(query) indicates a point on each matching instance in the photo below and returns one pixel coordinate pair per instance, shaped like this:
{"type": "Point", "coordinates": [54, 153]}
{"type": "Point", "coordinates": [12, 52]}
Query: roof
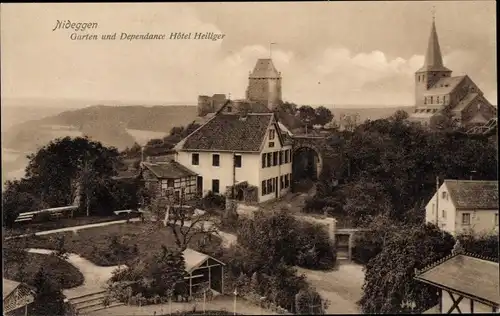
{"type": "Point", "coordinates": [9, 286]}
{"type": "Point", "coordinates": [462, 105]}
{"type": "Point", "coordinates": [444, 85]}
{"type": "Point", "coordinates": [475, 277]}
{"type": "Point", "coordinates": [473, 194]}
{"type": "Point", "coordinates": [230, 132]}
{"type": "Point", "coordinates": [264, 68]}
{"type": "Point", "coordinates": [433, 57]}
{"type": "Point", "coordinates": [168, 170]}
{"type": "Point", "coordinates": [194, 259]}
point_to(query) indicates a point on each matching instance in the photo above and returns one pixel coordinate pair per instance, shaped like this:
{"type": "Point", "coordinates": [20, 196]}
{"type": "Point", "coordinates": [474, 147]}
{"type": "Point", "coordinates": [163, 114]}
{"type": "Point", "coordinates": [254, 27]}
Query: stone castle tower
{"type": "Point", "coordinates": [433, 68]}
{"type": "Point", "coordinates": [264, 84]}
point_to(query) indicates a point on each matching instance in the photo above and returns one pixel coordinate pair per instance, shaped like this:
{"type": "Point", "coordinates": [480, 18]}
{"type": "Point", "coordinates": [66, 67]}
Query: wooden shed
{"type": "Point", "coordinates": [204, 272]}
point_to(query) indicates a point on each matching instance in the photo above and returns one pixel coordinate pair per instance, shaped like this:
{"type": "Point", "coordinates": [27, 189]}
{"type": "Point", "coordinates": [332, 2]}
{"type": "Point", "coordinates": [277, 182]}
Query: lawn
{"type": "Point", "coordinates": [56, 268]}
{"type": "Point", "coordinates": [28, 228]}
{"type": "Point", "coordinates": [94, 243]}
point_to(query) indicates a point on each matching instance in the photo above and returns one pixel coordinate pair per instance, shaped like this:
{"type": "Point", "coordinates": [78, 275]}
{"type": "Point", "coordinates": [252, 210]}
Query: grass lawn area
{"type": "Point", "coordinates": [56, 268]}
{"type": "Point", "coordinates": [28, 228]}
{"type": "Point", "coordinates": [94, 243]}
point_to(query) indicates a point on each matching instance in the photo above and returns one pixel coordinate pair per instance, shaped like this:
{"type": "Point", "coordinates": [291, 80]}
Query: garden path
{"type": "Point", "coordinates": [95, 277]}
{"type": "Point", "coordinates": [220, 303]}
{"type": "Point", "coordinates": [342, 287]}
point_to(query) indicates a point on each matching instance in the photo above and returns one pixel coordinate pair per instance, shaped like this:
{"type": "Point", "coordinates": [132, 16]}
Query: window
{"type": "Point", "coordinates": [195, 159]}
{"type": "Point", "coordinates": [229, 109]}
{"type": "Point", "coordinates": [263, 188]}
{"type": "Point", "coordinates": [271, 144]}
{"type": "Point", "coordinates": [215, 186]}
{"type": "Point", "coordinates": [269, 159]}
{"type": "Point", "coordinates": [287, 181]}
{"type": "Point", "coordinates": [432, 101]}
{"type": "Point", "coordinates": [433, 208]}
{"type": "Point", "coordinates": [443, 195]}
{"type": "Point", "coordinates": [466, 219]}
{"type": "Point", "coordinates": [496, 219]}
{"type": "Point", "coordinates": [282, 182]}
{"type": "Point", "coordinates": [281, 160]}
{"type": "Point", "coordinates": [271, 134]}
{"type": "Point", "coordinates": [425, 100]}
{"type": "Point", "coordinates": [269, 186]}
{"type": "Point", "coordinates": [170, 183]}
{"type": "Point", "coordinates": [287, 157]}
{"type": "Point", "coordinates": [237, 161]}
{"type": "Point", "coordinates": [263, 160]}
{"type": "Point", "coordinates": [443, 214]}
{"type": "Point", "coordinates": [215, 160]}
{"type": "Point", "coordinates": [437, 99]}
{"type": "Point", "coordinates": [275, 158]}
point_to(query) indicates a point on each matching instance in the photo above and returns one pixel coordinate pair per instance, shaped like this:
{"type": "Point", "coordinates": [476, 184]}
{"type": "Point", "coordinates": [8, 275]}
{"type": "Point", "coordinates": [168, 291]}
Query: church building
{"type": "Point", "coordinates": [438, 93]}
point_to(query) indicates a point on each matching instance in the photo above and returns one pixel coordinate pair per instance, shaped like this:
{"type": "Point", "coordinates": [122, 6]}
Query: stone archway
{"type": "Point", "coordinates": [309, 147]}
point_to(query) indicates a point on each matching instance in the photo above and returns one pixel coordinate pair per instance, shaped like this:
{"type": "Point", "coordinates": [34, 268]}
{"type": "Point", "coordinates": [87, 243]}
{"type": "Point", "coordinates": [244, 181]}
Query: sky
{"type": "Point", "coordinates": [335, 53]}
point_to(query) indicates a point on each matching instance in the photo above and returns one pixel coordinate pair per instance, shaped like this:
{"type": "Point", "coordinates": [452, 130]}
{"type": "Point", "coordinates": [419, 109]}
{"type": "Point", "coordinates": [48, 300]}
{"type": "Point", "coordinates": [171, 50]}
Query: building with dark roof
{"type": "Point", "coordinates": [436, 91]}
{"type": "Point", "coordinates": [466, 283]}
{"type": "Point", "coordinates": [16, 297]}
{"type": "Point", "coordinates": [170, 178]}
{"type": "Point", "coordinates": [244, 154]}
{"type": "Point", "coordinates": [465, 206]}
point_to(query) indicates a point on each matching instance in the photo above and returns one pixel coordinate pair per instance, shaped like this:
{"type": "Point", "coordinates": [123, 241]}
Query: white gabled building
{"type": "Point", "coordinates": [242, 149]}
{"type": "Point", "coordinates": [465, 206]}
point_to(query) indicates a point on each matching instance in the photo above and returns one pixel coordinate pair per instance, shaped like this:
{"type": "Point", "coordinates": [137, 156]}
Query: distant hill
{"type": "Point", "coordinates": [372, 113]}
{"type": "Point", "coordinates": [107, 124]}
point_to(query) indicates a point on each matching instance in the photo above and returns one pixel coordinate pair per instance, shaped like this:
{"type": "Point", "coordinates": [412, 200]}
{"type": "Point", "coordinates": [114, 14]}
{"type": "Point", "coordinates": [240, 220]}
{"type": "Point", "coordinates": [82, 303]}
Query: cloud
{"type": "Point", "coordinates": [40, 63]}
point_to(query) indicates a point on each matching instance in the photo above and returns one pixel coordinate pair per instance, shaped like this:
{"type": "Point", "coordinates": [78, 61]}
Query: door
{"type": "Point", "coordinates": [276, 187]}
{"type": "Point", "coordinates": [199, 185]}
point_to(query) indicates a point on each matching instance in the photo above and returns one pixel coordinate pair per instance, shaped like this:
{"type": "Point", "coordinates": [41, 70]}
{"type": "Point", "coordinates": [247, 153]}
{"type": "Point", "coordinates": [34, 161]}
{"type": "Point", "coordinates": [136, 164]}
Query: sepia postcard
{"type": "Point", "coordinates": [254, 158]}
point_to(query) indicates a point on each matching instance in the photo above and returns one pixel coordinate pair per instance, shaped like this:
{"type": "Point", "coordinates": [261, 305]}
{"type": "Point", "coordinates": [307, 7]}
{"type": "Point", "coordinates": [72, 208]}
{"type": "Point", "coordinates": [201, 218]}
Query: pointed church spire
{"type": "Point", "coordinates": [433, 57]}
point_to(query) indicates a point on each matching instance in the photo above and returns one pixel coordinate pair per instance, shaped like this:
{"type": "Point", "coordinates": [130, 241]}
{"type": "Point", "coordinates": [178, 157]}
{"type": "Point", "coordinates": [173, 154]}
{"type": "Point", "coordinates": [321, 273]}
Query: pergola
{"type": "Point", "coordinates": [466, 283]}
{"type": "Point", "coordinates": [16, 296]}
{"type": "Point", "coordinates": [204, 272]}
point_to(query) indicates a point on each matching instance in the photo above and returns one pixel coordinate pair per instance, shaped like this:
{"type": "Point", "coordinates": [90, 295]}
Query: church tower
{"type": "Point", "coordinates": [433, 68]}
{"type": "Point", "coordinates": [264, 84]}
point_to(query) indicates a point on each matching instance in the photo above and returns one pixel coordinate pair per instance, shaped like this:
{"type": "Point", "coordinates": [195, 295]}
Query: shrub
{"type": "Point", "coordinates": [315, 250]}
{"type": "Point", "coordinates": [213, 201]}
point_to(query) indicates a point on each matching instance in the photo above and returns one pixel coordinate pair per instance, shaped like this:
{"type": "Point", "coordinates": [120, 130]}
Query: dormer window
{"type": "Point", "coordinates": [229, 109]}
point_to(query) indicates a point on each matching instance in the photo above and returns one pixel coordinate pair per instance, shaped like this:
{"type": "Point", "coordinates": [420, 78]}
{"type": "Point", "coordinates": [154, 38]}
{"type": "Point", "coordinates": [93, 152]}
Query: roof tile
{"type": "Point", "coordinates": [469, 275]}
{"type": "Point", "coordinates": [168, 170]}
{"type": "Point", "coordinates": [469, 194]}
{"type": "Point", "coordinates": [229, 132]}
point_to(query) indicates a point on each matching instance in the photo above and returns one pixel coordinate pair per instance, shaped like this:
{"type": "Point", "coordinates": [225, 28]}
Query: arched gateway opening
{"type": "Point", "coordinates": [307, 165]}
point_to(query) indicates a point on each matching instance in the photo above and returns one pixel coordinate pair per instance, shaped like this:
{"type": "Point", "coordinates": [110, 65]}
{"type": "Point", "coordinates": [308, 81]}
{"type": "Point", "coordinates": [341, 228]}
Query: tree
{"type": "Point", "coordinates": [183, 221]}
{"type": "Point", "coordinates": [49, 299]}
{"type": "Point", "coordinates": [399, 115]}
{"type": "Point", "coordinates": [350, 122]}
{"type": "Point", "coordinates": [389, 285]}
{"type": "Point", "coordinates": [18, 197]}
{"type": "Point", "coordinates": [323, 116]}
{"type": "Point", "coordinates": [365, 199]}
{"type": "Point", "coordinates": [55, 168]}
{"type": "Point", "coordinates": [307, 115]}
